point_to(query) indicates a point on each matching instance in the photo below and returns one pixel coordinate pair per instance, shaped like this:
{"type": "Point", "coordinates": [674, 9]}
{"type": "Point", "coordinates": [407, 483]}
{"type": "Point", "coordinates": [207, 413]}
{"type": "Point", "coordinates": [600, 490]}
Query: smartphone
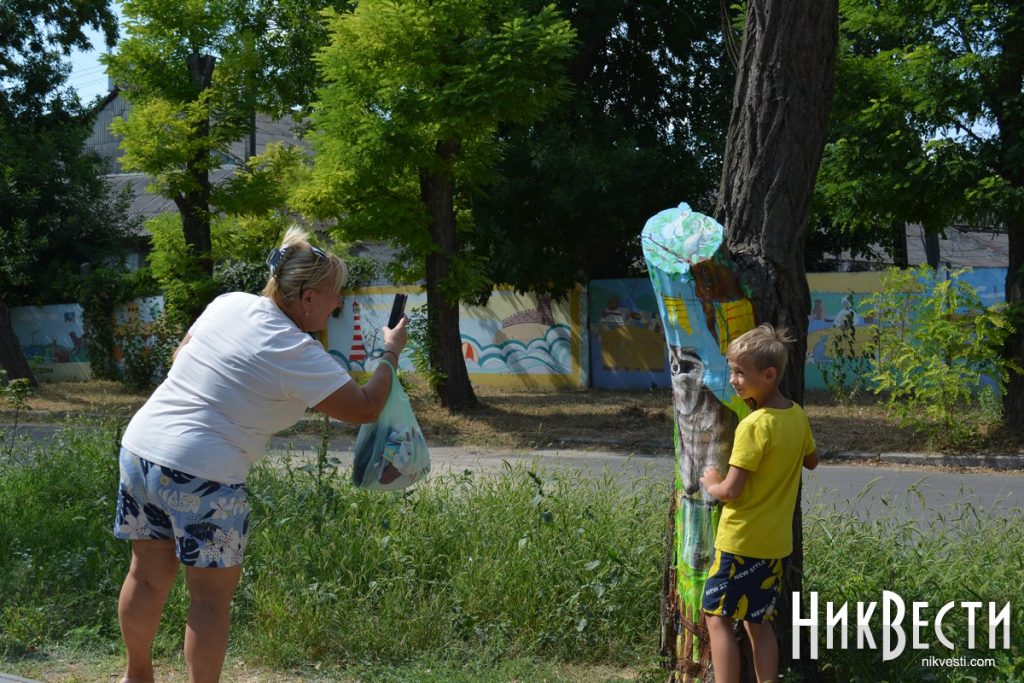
{"type": "Point", "coordinates": [397, 310]}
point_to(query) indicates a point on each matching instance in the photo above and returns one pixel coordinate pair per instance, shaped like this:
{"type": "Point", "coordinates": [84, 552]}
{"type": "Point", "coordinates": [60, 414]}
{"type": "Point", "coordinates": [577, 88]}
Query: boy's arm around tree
{"type": "Point", "coordinates": [731, 487]}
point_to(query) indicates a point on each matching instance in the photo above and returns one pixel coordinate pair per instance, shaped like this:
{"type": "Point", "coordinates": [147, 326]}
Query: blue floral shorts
{"type": "Point", "coordinates": [208, 521]}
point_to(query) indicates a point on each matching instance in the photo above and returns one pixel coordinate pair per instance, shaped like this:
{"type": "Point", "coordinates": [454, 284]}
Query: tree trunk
{"type": "Point", "coordinates": [1013, 349]}
{"type": "Point", "coordinates": [900, 252]}
{"type": "Point", "coordinates": [437, 190]}
{"type": "Point", "coordinates": [12, 359]}
{"type": "Point", "coordinates": [777, 134]}
{"type": "Point", "coordinates": [932, 250]}
{"type": "Point", "coordinates": [1009, 117]}
{"type": "Point", "coordinates": [194, 205]}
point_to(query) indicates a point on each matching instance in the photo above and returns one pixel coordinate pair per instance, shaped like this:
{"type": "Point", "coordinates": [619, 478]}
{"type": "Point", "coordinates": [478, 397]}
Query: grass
{"type": "Point", "coordinates": [530, 576]}
{"type": "Point", "coordinates": [75, 666]}
{"type": "Point", "coordinates": [631, 421]}
{"type": "Point", "coordinates": [958, 555]}
{"type": "Point", "coordinates": [541, 572]}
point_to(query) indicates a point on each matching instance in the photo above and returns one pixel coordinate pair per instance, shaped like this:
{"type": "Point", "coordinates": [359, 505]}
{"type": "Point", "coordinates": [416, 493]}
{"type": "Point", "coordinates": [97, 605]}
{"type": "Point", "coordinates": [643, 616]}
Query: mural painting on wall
{"type": "Point", "coordinates": [703, 309]}
{"type": "Point", "coordinates": [837, 303]}
{"type": "Point", "coordinates": [53, 340]}
{"type": "Point", "coordinates": [837, 308]}
{"type": "Point", "coordinates": [627, 342]}
{"type": "Point", "coordinates": [515, 335]}
{"type": "Point", "coordinates": [137, 317]}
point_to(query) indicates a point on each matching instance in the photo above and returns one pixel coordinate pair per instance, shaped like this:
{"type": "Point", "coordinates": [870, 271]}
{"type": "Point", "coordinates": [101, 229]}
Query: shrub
{"type": "Point", "coordinates": [14, 394]}
{"type": "Point", "coordinates": [99, 293]}
{"type": "Point", "coordinates": [146, 353]}
{"type": "Point", "coordinates": [934, 342]}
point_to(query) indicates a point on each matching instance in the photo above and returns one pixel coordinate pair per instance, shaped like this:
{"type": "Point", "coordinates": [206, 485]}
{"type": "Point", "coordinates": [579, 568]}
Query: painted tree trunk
{"type": "Point", "coordinates": [702, 309]}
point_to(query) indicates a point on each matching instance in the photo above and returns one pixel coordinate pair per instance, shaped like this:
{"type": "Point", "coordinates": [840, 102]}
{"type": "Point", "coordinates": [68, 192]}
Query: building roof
{"type": "Point", "coordinates": [146, 204]}
{"type": "Point", "coordinates": [962, 246]}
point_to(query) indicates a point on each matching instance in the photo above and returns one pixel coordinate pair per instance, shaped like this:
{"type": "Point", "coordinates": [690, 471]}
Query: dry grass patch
{"type": "Point", "coordinates": [518, 418]}
{"type": "Point", "coordinates": [99, 397]}
{"type": "Point", "coordinates": [632, 421]}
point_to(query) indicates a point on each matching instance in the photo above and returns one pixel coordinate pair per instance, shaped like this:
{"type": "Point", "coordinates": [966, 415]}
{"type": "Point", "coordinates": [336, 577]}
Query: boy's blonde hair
{"type": "Point", "coordinates": [765, 345]}
{"type": "Point", "coordinates": [297, 265]}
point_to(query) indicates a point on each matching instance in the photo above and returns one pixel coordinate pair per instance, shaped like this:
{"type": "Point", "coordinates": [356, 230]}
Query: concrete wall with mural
{"type": "Point", "coordinates": [517, 340]}
{"type": "Point", "coordinates": [627, 339]}
{"type": "Point", "coordinates": [53, 337]}
{"type": "Point", "coordinates": [53, 341]}
{"type": "Point", "coordinates": [609, 336]}
{"type": "Point", "coordinates": [625, 355]}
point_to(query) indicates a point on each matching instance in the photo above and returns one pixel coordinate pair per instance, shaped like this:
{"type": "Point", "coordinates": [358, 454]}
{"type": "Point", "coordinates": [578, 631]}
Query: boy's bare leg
{"type": "Point", "coordinates": [209, 620]}
{"type": "Point", "coordinates": [150, 577]}
{"type": "Point", "coordinates": [766, 650]}
{"type": "Point", "coordinates": [725, 652]}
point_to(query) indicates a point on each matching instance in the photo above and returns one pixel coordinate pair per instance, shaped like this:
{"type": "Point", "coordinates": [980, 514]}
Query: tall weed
{"type": "Point", "coordinates": [561, 567]}
{"type": "Point", "coordinates": [59, 563]}
{"type": "Point", "coordinates": [922, 553]}
{"type": "Point", "coordinates": [554, 566]}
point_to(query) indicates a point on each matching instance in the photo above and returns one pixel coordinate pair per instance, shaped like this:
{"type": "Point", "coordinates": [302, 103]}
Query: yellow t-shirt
{"type": "Point", "coordinates": [771, 443]}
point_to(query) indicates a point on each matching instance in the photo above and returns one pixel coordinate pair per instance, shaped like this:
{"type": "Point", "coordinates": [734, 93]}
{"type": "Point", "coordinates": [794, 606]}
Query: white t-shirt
{"type": "Point", "coordinates": [246, 373]}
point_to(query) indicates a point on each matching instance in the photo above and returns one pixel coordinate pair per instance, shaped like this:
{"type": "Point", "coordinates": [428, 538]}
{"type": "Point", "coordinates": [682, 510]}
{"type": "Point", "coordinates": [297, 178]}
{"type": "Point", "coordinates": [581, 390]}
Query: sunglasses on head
{"type": "Point", "coordinates": [277, 255]}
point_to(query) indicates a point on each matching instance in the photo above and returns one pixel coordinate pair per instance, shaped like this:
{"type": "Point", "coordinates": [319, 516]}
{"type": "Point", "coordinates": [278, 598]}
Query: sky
{"type": "Point", "coordinates": [88, 76]}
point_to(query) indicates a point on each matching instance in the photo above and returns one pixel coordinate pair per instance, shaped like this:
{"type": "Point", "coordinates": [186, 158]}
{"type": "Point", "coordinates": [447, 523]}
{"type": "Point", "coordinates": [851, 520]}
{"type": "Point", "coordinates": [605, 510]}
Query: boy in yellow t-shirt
{"type": "Point", "coordinates": [759, 492]}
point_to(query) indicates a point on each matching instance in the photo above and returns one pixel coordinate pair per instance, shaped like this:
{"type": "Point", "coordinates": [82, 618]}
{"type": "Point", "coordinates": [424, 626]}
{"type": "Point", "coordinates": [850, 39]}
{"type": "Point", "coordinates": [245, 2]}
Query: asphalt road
{"type": "Point", "coordinates": [940, 497]}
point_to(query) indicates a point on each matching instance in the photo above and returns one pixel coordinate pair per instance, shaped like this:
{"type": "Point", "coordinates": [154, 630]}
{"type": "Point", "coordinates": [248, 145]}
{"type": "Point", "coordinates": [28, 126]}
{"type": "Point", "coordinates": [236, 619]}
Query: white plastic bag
{"type": "Point", "coordinates": [391, 453]}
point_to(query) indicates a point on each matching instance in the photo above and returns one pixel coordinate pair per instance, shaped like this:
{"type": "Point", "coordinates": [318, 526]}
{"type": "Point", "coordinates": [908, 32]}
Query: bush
{"type": "Point", "coordinates": [14, 394]}
{"type": "Point", "coordinates": [99, 293]}
{"type": "Point", "coordinates": [934, 342]}
{"type": "Point", "coordinates": [146, 353]}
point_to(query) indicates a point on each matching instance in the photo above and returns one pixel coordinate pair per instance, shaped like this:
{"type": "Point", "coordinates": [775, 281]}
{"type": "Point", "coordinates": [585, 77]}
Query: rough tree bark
{"type": "Point", "coordinates": [437, 191]}
{"type": "Point", "coordinates": [777, 134]}
{"type": "Point", "coordinates": [194, 205]}
{"type": "Point", "coordinates": [12, 360]}
{"type": "Point", "coordinates": [1010, 121]}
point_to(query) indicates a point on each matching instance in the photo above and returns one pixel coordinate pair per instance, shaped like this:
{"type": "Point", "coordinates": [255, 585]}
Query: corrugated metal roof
{"type": "Point", "coordinates": [147, 204]}
{"type": "Point", "coordinates": [961, 247]}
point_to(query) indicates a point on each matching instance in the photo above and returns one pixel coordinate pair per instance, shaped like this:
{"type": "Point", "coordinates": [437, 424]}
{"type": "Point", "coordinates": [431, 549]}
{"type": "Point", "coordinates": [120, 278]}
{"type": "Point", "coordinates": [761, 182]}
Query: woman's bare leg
{"type": "Point", "coordinates": [143, 594]}
{"type": "Point", "coordinates": [209, 620]}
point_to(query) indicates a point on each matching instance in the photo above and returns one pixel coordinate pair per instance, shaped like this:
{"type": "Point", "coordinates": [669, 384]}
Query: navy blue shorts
{"type": "Point", "coordinates": [208, 521]}
{"type": "Point", "coordinates": [745, 588]}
